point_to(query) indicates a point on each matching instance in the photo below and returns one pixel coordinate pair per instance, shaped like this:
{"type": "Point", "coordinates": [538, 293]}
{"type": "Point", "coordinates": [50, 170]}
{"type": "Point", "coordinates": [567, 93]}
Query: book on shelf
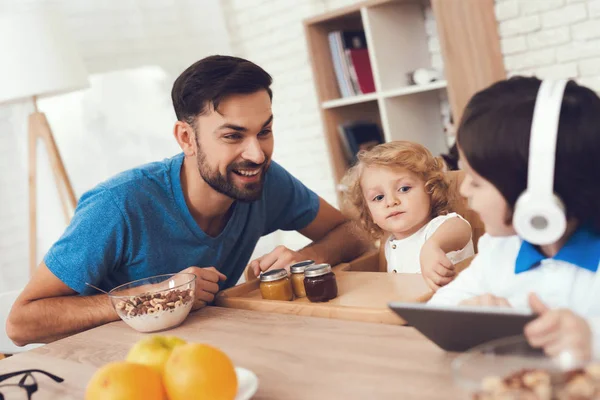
{"type": "Point", "coordinates": [358, 135]}
{"type": "Point", "coordinates": [351, 62]}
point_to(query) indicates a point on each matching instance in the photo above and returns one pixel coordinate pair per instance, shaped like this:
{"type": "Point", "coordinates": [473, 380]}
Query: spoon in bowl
{"type": "Point", "coordinates": [97, 288]}
{"type": "Point", "coordinates": [105, 292]}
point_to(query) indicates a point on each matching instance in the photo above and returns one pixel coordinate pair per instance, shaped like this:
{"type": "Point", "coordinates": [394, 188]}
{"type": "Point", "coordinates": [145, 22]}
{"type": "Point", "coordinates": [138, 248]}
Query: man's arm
{"type": "Point", "coordinates": [334, 239]}
{"type": "Point", "coordinates": [48, 310]}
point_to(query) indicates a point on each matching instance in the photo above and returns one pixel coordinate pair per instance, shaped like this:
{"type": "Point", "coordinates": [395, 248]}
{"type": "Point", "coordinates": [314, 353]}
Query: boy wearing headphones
{"type": "Point", "coordinates": [531, 153]}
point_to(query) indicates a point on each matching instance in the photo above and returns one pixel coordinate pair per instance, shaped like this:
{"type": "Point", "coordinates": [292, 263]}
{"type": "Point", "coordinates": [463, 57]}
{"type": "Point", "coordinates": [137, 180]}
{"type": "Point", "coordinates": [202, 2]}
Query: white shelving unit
{"type": "Point", "coordinates": [398, 44]}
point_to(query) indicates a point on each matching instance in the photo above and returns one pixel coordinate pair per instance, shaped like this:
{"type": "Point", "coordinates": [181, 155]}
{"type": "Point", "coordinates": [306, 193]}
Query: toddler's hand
{"type": "Point", "coordinates": [436, 268]}
{"type": "Point", "coordinates": [558, 331]}
{"type": "Point", "coordinates": [486, 300]}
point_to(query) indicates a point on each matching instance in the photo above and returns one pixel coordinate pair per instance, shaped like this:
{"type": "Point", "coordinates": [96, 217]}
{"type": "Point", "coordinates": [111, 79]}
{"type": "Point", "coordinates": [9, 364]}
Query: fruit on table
{"type": "Point", "coordinates": [123, 380]}
{"type": "Point", "coordinates": [198, 371]}
{"type": "Point", "coordinates": [154, 351]}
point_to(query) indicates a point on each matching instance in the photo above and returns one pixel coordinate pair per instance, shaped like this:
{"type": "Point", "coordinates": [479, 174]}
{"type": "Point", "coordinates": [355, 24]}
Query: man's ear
{"type": "Point", "coordinates": [186, 137]}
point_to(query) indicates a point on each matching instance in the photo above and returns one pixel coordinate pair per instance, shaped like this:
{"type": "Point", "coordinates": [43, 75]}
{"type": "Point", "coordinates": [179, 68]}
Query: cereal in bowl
{"type": "Point", "coordinates": [149, 312]}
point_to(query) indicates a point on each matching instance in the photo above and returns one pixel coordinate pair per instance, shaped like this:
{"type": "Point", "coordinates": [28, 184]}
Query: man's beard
{"type": "Point", "coordinates": [223, 183]}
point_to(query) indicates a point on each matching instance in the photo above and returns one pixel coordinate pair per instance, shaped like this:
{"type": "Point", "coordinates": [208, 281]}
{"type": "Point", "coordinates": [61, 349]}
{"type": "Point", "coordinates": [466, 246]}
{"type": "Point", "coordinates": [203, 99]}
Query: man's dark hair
{"type": "Point", "coordinates": [208, 81]}
{"type": "Point", "coordinates": [494, 137]}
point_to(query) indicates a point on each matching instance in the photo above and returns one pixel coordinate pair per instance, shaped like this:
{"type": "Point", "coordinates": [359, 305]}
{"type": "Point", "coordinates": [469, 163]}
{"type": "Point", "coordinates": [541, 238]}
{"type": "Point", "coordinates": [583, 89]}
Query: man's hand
{"type": "Point", "coordinates": [281, 257]}
{"type": "Point", "coordinates": [486, 300]}
{"type": "Point", "coordinates": [558, 331]}
{"type": "Point", "coordinates": [207, 284]}
{"type": "Point", "coordinates": [436, 268]}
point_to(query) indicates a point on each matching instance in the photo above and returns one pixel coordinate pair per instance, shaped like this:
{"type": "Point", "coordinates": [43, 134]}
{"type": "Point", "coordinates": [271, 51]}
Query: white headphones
{"type": "Point", "coordinates": [539, 216]}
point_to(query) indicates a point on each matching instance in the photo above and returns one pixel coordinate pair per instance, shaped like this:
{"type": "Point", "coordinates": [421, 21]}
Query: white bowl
{"type": "Point", "coordinates": [247, 383]}
{"type": "Point", "coordinates": [164, 312]}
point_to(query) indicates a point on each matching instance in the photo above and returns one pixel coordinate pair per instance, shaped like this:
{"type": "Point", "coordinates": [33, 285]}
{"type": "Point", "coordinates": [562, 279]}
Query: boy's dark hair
{"type": "Point", "coordinates": [208, 81]}
{"type": "Point", "coordinates": [494, 137]}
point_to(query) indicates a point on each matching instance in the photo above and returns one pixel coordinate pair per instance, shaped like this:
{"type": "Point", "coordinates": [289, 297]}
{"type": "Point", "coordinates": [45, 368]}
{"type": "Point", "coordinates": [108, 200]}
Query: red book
{"type": "Point", "coordinates": [362, 66]}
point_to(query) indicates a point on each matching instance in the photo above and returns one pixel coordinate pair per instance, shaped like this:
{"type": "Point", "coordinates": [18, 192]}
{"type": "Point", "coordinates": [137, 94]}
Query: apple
{"type": "Point", "coordinates": [154, 351]}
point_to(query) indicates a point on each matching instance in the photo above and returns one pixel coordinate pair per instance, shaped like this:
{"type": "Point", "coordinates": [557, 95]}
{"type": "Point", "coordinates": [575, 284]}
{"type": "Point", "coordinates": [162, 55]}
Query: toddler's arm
{"type": "Point", "coordinates": [472, 281]}
{"type": "Point", "coordinates": [454, 234]}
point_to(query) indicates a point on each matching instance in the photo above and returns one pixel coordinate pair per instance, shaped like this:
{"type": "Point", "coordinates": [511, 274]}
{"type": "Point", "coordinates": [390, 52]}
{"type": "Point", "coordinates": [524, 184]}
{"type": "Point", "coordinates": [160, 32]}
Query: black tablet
{"type": "Point", "coordinates": [460, 328]}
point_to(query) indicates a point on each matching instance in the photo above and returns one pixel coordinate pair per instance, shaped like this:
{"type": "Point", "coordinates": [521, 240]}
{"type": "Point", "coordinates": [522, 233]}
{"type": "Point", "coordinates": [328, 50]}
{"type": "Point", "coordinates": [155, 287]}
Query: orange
{"type": "Point", "coordinates": [125, 381]}
{"type": "Point", "coordinates": [198, 371]}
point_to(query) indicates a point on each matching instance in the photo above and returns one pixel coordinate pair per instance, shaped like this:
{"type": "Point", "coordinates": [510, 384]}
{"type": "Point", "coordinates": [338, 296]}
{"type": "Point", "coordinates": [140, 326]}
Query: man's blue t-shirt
{"type": "Point", "coordinates": [137, 225]}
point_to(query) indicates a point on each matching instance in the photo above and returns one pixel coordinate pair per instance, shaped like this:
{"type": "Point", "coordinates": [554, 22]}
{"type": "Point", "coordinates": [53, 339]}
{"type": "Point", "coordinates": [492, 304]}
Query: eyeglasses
{"type": "Point", "coordinates": [27, 384]}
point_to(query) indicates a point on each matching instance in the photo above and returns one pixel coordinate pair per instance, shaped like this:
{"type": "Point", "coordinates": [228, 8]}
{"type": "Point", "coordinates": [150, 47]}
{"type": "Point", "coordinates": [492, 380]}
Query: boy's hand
{"type": "Point", "coordinates": [488, 300]}
{"type": "Point", "coordinates": [558, 331]}
{"type": "Point", "coordinates": [436, 268]}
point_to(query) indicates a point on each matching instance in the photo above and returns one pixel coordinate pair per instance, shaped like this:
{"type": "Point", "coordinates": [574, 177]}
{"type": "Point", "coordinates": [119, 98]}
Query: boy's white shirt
{"type": "Point", "coordinates": [403, 256]}
{"type": "Point", "coordinates": [559, 284]}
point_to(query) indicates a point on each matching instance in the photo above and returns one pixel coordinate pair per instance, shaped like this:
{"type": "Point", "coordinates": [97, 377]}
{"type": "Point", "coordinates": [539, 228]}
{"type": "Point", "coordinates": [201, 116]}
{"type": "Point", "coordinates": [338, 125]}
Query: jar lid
{"type": "Point", "coordinates": [299, 267]}
{"type": "Point", "coordinates": [317, 270]}
{"type": "Point", "coordinates": [273, 275]}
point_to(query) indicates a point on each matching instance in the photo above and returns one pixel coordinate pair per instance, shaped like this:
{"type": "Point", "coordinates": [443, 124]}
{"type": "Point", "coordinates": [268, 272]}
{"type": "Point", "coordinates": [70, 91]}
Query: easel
{"type": "Point", "coordinates": [40, 129]}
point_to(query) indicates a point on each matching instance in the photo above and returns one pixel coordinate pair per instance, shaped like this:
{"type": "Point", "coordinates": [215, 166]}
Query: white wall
{"type": "Point", "coordinates": [551, 38]}
{"type": "Point", "coordinates": [134, 49]}
{"type": "Point", "coordinates": [270, 33]}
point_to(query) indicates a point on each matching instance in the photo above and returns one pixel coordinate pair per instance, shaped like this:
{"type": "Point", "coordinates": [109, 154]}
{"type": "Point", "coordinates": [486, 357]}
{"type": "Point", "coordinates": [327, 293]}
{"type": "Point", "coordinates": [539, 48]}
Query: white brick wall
{"type": "Point", "coordinates": [551, 38]}
{"type": "Point", "coordinates": [564, 16]}
{"type": "Point", "coordinates": [112, 35]}
{"type": "Point", "coordinates": [548, 37]}
{"type": "Point", "coordinates": [520, 25]}
{"type": "Point", "coordinates": [533, 7]}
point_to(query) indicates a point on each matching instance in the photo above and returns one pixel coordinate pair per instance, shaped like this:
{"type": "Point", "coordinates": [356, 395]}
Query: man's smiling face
{"type": "Point", "coordinates": [235, 145]}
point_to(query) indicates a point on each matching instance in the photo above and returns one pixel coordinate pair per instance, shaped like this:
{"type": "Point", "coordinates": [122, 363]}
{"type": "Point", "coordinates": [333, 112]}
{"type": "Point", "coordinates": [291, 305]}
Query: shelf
{"type": "Point", "coordinates": [415, 89]}
{"type": "Point", "coordinates": [346, 101]}
{"type": "Point", "coordinates": [363, 98]}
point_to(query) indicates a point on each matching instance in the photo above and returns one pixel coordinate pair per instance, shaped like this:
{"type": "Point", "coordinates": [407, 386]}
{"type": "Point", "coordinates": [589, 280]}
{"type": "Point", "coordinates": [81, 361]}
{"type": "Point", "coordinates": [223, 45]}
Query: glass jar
{"type": "Point", "coordinates": [297, 271]}
{"type": "Point", "coordinates": [276, 285]}
{"type": "Point", "coordinates": [320, 283]}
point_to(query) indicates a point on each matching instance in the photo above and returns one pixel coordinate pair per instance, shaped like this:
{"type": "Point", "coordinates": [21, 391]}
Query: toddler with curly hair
{"type": "Point", "coordinates": [399, 192]}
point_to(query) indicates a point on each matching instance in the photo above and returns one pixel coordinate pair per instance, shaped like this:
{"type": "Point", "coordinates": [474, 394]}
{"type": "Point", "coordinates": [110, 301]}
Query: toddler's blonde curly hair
{"type": "Point", "coordinates": [398, 154]}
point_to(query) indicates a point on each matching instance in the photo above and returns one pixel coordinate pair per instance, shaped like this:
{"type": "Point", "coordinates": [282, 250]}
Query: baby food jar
{"type": "Point", "coordinates": [320, 283]}
{"type": "Point", "coordinates": [276, 285]}
{"type": "Point", "coordinates": [297, 271]}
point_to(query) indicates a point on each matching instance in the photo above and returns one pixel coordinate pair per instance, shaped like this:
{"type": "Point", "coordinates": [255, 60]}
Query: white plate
{"type": "Point", "coordinates": [247, 383]}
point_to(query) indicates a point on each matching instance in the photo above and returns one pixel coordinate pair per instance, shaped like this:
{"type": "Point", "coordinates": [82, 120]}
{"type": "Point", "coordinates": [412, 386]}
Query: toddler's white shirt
{"type": "Point", "coordinates": [403, 256]}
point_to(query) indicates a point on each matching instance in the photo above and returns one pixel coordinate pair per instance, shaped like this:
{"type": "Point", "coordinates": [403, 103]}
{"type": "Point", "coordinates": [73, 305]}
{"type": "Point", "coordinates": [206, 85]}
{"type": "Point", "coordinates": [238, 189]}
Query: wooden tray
{"type": "Point", "coordinates": [363, 296]}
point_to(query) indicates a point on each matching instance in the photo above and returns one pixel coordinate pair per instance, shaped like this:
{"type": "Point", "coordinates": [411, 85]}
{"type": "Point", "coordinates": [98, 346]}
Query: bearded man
{"type": "Point", "coordinates": [201, 211]}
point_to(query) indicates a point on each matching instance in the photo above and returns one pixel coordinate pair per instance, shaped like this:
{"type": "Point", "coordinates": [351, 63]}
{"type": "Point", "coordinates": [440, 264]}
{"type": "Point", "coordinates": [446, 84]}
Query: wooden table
{"type": "Point", "coordinates": [294, 357]}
